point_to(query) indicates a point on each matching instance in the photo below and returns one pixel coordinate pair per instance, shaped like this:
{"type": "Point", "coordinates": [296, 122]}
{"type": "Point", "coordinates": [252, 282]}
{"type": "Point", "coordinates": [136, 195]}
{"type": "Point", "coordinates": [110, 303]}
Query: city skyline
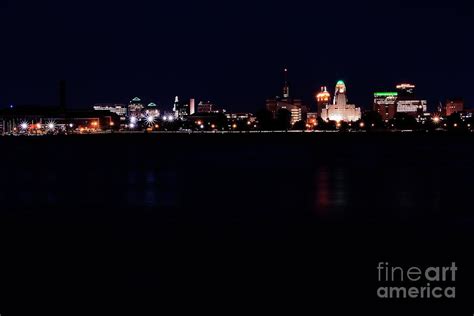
{"type": "Point", "coordinates": [158, 51]}
{"type": "Point", "coordinates": [166, 105]}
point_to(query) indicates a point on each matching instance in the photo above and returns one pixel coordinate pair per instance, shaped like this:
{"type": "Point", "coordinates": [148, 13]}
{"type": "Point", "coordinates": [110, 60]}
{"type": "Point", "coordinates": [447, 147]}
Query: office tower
{"type": "Point", "coordinates": [385, 103]}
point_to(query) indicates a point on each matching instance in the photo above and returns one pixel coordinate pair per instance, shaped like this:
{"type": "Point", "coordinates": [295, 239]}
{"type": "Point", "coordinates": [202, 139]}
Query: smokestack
{"type": "Point", "coordinates": [62, 95]}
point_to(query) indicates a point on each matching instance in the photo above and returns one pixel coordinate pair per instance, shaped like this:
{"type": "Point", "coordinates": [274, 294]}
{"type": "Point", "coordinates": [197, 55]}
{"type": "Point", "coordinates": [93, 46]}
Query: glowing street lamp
{"type": "Point", "coordinates": [51, 125]}
{"type": "Point", "coordinates": [150, 120]}
{"type": "Point", "coordinates": [24, 126]}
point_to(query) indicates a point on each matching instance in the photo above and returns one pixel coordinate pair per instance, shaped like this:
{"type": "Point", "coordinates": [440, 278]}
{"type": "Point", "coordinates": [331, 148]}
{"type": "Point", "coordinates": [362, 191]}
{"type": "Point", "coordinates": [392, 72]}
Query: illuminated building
{"type": "Point", "coordinates": [312, 119]}
{"type": "Point", "coordinates": [241, 117]}
{"type": "Point", "coordinates": [135, 108]}
{"type": "Point", "coordinates": [192, 106]}
{"type": "Point", "coordinates": [181, 110]}
{"type": "Point", "coordinates": [206, 107]}
{"type": "Point", "coordinates": [412, 106]}
{"type": "Point", "coordinates": [323, 99]}
{"type": "Point", "coordinates": [340, 110]}
{"type": "Point", "coordinates": [406, 91]}
{"type": "Point", "coordinates": [453, 106]}
{"type": "Point", "coordinates": [407, 101]}
{"type": "Point", "coordinates": [176, 107]}
{"type": "Point", "coordinates": [119, 109]}
{"type": "Point", "coordinates": [294, 106]}
{"type": "Point", "coordinates": [152, 110]}
{"type": "Point", "coordinates": [385, 104]}
{"type": "Point", "coordinates": [37, 120]}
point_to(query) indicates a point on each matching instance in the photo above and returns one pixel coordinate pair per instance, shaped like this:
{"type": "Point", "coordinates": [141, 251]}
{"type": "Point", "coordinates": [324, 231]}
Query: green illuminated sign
{"type": "Point", "coordinates": [386, 94]}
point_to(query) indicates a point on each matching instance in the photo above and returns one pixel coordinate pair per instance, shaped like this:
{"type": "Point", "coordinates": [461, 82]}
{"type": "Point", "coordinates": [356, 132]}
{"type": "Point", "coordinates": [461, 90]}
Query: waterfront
{"type": "Point", "coordinates": [243, 214]}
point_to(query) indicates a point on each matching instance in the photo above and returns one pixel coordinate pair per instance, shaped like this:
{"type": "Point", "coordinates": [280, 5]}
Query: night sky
{"type": "Point", "coordinates": [231, 52]}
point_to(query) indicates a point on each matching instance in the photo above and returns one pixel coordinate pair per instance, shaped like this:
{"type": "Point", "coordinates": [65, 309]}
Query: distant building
{"type": "Point", "coordinates": [192, 106]}
{"type": "Point", "coordinates": [135, 108]}
{"type": "Point", "coordinates": [41, 120]}
{"type": "Point", "coordinates": [119, 109]}
{"type": "Point", "coordinates": [181, 109]}
{"type": "Point", "coordinates": [296, 107]}
{"type": "Point", "coordinates": [312, 119]}
{"type": "Point", "coordinates": [407, 102]}
{"type": "Point", "coordinates": [152, 110]}
{"type": "Point", "coordinates": [414, 107]}
{"type": "Point", "coordinates": [206, 107]}
{"type": "Point", "coordinates": [406, 91]}
{"type": "Point", "coordinates": [240, 117]}
{"type": "Point", "coordinates": [323, 99]}
{"type": "Point", "coordinates": [453, 106]}
{"type": "Point", "coordinates": [385, 104]}
{"type": "Point", "coordinates": [340, 109]}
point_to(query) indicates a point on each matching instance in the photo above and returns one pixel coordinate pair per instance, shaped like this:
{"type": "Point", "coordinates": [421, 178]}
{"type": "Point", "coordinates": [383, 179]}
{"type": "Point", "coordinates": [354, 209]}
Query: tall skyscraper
{"type": "Point", "coordinates": [341, 110]}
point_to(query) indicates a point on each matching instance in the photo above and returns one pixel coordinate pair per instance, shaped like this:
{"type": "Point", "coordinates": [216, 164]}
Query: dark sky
{"type": "Point", "coordinates": [231, 52]}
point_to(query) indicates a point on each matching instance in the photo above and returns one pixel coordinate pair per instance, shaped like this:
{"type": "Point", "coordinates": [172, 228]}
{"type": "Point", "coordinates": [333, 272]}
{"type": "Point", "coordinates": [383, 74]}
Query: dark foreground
{"type": "Point", "coordinates": [249, 222]}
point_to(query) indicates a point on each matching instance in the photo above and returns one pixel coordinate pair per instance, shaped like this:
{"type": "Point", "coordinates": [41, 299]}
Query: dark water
{"type": "Point", "coordinates": [296, 221]}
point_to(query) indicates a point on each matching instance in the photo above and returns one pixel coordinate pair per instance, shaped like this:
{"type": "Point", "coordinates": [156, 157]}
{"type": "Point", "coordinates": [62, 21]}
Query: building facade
{"type": "Point", "coordinates": [340, 110]}
{"type": "Point", "coordinates": [453, 106]}
{"type": "Point", "coordinates": [407, 102]}
{"type": "Point", "coordinates": [295, 106]}
{"type": "Point", "coordinates": [323, 99]}
{"type": "Point", "coordinates": [135, 108]}
{"type": "Point", "coordinates": [385, 104]}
